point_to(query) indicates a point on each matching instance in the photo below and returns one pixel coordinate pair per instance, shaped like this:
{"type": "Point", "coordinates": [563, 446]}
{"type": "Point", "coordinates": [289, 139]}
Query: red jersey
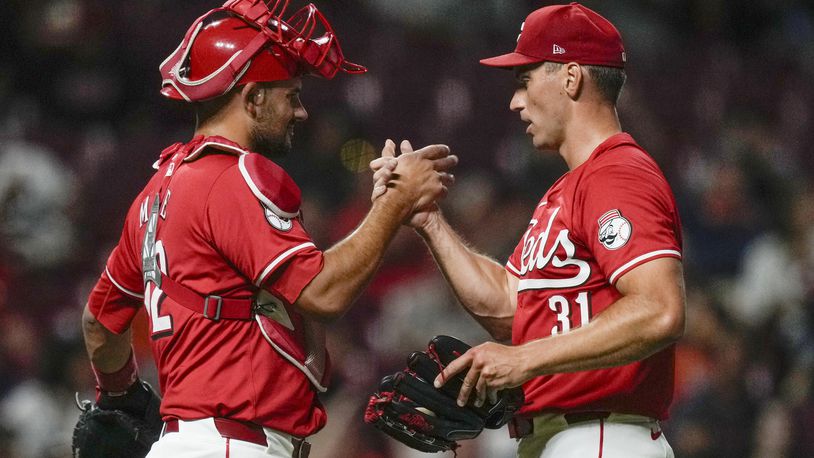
{"type": "Point", "coordinates": [597, 222]}
{"type": "Point", "coordinates": [217, 235]}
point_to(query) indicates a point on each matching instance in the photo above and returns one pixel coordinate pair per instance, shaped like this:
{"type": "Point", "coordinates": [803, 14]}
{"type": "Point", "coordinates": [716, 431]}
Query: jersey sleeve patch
{"type": "Point", "coordinates": [273, 187]}
{"type": "Point", "coordinates": [614, 230]}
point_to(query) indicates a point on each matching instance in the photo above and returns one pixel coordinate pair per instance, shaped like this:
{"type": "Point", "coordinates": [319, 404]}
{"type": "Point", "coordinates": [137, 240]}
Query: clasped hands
{"type": "Point", "coordinates": [424, 175]}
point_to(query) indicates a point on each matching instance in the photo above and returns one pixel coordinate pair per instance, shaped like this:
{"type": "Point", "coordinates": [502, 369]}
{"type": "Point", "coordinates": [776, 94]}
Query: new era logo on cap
{"type": "Point", "coordinates": [558, 50]}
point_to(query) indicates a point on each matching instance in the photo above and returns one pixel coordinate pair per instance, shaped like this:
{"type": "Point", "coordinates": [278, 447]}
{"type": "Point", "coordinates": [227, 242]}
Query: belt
{"type": "Point", "coordinates": [520, 427]}
{"type": "Point", "coordinates": [580, 417]}
{"type": "Point", "coordinates": [247, 432]}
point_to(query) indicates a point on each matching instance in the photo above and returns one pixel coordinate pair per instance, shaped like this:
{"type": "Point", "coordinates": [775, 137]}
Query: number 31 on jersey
{"type": "Point", "coordinates": [562, 307]}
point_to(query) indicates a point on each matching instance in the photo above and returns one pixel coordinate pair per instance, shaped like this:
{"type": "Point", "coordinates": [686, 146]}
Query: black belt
{"type": "Point", "coordinates": [521, 427]}
{"type": "Point", "coordinates": [580, 417]}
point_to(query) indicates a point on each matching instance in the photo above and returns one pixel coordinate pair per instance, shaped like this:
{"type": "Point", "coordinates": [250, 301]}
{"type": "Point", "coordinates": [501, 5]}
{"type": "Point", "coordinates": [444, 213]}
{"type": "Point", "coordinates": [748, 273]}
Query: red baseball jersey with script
{"type": "Point", "coordinates": [219, 233]}
{"type": "Point", "coordinates": [597, 222]}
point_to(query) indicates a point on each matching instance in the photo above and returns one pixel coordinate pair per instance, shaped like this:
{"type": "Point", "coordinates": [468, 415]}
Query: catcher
{"type": "Point", "coordinates": [412, 411]}
{"type": "Point", "coordinates": [216, 250]}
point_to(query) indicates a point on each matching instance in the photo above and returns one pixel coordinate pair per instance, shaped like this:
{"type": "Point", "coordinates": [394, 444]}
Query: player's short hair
{"type": "Point", "coordinates": [608, 80]}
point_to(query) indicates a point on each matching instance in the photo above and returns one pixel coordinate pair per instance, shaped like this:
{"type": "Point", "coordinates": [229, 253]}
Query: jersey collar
{"type": "Point", "coordinates": [195, 148]}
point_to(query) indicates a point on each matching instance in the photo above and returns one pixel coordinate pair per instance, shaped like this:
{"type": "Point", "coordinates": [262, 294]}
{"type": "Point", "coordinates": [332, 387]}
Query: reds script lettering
{"type": "Point", "coordinates": [535, 256]}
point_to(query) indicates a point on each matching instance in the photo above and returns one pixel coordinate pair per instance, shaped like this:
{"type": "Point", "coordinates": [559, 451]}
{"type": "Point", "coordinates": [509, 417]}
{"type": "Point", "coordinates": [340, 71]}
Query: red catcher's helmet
{"type": "Point", "coordinates": [245, 41]}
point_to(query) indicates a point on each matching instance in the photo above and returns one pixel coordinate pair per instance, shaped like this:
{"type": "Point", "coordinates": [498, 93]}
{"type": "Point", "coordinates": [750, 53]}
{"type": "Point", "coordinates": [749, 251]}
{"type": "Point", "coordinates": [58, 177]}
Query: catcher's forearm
{"type": "Point", "coordinates": [479, 282]}
{"type": "Point", "coordinates": [350, 264]}
{"type": "Point", "coordinates": [108, 352]}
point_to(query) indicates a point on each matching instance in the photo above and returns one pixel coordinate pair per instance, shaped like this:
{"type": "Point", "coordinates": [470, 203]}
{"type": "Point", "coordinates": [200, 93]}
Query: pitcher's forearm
{"type": "Point", "coordinates": [478, 281]}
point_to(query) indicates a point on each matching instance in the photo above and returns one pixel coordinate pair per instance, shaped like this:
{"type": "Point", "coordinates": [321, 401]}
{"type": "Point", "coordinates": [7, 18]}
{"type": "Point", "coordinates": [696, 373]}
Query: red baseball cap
{"type": "Point", "coordinates": [565, 33]}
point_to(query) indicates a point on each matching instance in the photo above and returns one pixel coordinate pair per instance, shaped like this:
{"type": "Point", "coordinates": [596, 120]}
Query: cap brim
{"type": "Point", "coordinates": [510, 60]}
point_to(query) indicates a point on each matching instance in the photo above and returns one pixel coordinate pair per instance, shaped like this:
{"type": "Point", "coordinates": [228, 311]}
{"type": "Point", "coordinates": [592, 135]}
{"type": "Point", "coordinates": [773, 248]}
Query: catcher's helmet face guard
{"type": "Point", "coordinates": [303, 44]}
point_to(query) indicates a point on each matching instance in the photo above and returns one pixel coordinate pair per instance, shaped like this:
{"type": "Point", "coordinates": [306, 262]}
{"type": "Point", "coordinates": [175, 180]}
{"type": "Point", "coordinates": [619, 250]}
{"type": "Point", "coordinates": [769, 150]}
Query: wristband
{"type": "Point", "coordinates": [117, 382]}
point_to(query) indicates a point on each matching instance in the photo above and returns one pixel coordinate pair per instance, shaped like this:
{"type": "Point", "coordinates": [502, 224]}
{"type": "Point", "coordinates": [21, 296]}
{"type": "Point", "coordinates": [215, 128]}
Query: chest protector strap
{"type": "Point", "coordinates": [214, 307]}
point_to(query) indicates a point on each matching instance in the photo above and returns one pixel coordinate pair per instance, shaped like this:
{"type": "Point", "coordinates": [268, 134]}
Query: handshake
{"type": "Point", "coordinates": [420, 178]}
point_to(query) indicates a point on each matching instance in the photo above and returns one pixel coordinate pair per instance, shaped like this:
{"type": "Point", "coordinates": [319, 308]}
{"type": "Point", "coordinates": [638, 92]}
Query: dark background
{"type": "Point", "coordinates": [718, 92]}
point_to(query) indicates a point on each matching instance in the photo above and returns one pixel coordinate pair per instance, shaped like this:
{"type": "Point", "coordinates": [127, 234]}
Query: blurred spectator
{"type": "Point", "coordinates": [35, 194]}
{"type": "Point", "coordinates": [41, 411]}
{"type": "Point", "coordinates": [777, 273]}
{"type": "Point", "coordinates": [717, 420]}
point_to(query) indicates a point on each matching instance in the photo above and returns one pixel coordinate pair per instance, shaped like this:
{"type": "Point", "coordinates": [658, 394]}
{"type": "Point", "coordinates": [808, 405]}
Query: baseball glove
{"type": "Point", "coordinates": [127, 430]}
{"type": "Point", "coordinates": [410, 409]}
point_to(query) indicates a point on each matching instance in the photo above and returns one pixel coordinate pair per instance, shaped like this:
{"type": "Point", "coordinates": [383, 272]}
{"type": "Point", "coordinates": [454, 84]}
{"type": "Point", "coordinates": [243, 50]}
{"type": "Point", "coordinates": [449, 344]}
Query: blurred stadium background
{"type": "Point", "coordinates": [719, 92]}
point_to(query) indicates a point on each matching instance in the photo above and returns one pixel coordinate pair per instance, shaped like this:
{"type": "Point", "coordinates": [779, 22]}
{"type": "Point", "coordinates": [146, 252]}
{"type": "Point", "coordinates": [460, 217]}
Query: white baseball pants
{"type": "Point", "coordinates": [618, 436]}
{"type": "Point", "coordinates": [200, 439]}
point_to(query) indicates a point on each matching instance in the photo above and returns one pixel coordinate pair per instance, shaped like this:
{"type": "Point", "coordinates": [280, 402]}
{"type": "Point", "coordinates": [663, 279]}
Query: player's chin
{"type": "Point", "coordinates": [541, 143]}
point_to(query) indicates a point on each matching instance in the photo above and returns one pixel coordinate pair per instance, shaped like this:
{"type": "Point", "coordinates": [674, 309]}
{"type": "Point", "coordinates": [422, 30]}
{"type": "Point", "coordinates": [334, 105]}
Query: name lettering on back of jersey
{"type": "Point", "coordinates": [149, 260]}
{"type": "Point", "coordinates": [614, 230]}
{"type": "Point", "coordinates": [144, 209]}
{"type": "Point", "coordinates": [538, 255]}
{"type": "Point", "coordinates": [163, 212]}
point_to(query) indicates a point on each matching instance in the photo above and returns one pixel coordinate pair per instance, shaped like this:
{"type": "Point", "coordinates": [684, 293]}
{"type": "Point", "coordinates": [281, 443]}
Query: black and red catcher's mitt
{"type": "Point", "coordinates": [411, 410]}
{"type": "Point", "coordinates": [125, 427]}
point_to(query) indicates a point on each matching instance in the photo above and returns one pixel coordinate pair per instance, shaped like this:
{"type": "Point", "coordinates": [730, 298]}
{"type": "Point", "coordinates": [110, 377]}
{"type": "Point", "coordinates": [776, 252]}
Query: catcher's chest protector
{"type": "Point", "coordinates": [297, 339]}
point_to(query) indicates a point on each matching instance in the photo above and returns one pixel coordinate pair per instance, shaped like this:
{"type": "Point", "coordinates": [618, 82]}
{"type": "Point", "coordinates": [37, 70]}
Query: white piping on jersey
{"type": "Point", "coordinates": [513, 268]}
{"type": "Point", "coordinates": [291, 359]}
{"type": "Point", "coordinates": [202, 146]}
{"type": "Point", "coordinates": [256, 191]}
{"type": "Point", "coordinates": [638, 259]}
{"type": "Point", "coordinates": [280, 259]}
{"type": "Point", "coordinates": [122, 288]}
{"type": "Point", "coordinates": [545, 283]}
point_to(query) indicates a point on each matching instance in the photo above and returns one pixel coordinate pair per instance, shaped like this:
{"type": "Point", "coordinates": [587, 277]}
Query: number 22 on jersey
{"type": "Point", "coordinates": [153, 264]}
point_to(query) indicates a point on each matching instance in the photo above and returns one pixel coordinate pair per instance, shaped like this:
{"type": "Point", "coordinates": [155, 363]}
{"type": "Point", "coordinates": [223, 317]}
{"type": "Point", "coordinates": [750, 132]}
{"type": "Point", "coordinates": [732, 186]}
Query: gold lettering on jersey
{"type": "Point", "coordinates": [535, 256]}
